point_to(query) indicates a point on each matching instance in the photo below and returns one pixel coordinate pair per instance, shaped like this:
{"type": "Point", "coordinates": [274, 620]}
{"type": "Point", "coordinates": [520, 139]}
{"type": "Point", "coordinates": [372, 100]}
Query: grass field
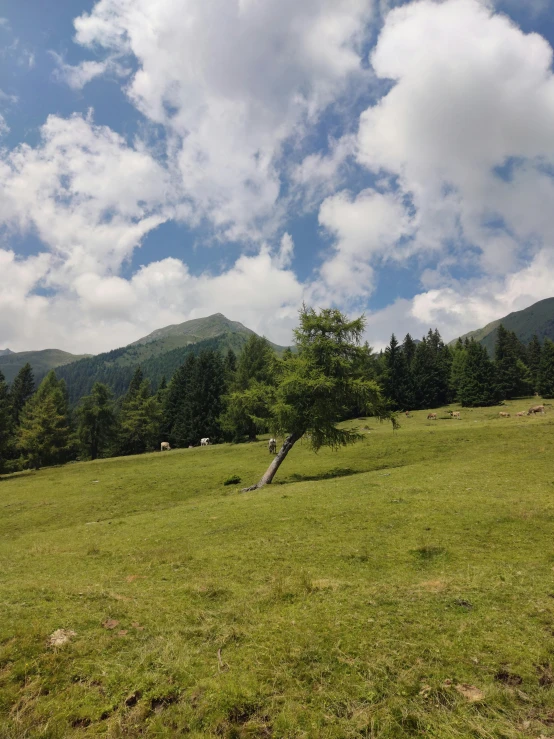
{"type": "Point", "coordinates": [401, 587]}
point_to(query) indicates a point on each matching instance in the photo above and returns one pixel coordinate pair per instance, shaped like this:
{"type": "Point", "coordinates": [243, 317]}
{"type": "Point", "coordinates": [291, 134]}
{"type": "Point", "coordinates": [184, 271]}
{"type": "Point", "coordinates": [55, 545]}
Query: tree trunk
{"type": "Point", "coordinates": [289, 442]}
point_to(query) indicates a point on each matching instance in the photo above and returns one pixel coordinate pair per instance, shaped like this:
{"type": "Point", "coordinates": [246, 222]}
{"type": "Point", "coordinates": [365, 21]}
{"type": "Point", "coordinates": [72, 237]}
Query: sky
{"type": "Point", "coordinates": [162, 160]}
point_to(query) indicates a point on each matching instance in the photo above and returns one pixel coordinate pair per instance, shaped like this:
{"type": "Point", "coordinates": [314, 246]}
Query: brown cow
{"type": "Point", "coordinates": [407, 414]}
{"type": "Point", "coordinates": [536, 409]}
{"type": "Point", "coordinates": [504, 415]}
{"type": "Point", "coordinates": [431, 416]}
{"type": "Point", "coordinates": [521, 413]}
{"type": "Point", "coordinates": [456, 414]}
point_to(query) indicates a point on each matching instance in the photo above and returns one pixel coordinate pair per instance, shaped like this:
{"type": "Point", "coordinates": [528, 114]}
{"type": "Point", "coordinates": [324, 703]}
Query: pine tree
{"type": "Point", "coordinates": [396, 381]}
{"type": "Point", "coordinates": [316, 384]}
{"type": "Point", "coordinates": [139, 420]}
{"type": "Point", "coordinates": [44, 435]}
{"type": "Point", "coordinates": [478, 381]}
{"type": "Point", "coordinates": [6, 425]}
{"type": "Point", "coordinates": [96, 427]}
{"type": "Point", "coordinates": [510, 372]}
{"type": "Point", "coordinates": [245, 413]}
{"type": "Point", "coordinates": [21, 391]}
{"type": "Point", "coordinates": [534, 361]}
{"type": "Point", "coordinates": [409, 347]}
{"type": "Point", "coordinates": [545, 384]}
{"type": "Point", "coordinates": [431, 371]}
{"type": "Point", "coordinates": [459, 355]}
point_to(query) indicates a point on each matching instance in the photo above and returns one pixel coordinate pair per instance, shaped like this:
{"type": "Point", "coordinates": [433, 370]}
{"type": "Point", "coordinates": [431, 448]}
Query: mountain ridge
{"type": "Point", "coordinates": [536, 319]}
{"type": "Point", "coordinates": [41, 361]}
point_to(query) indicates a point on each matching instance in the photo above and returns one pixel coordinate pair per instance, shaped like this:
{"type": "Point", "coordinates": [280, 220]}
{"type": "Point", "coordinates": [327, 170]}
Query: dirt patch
{"type": "Point", "coordinates": [546, 675]}
{"type": "Point", "coordinates": [433, 586]}
{"type": "Point", "coordinates": [110, 623]}
{"type": "Point", "coordinates": [470, 692]}
{"type": "Point", "coordinates": [508, 678]}
{"type": "Point", "coordinates": [60, 637]}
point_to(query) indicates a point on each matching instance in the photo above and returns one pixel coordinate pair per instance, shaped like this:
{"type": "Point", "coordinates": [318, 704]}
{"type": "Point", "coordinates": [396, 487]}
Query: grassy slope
{"type": "Point", "coordinates": [339, 607]}
{"type": "Point", "coordinates": [41, 361]}
{"type": "Point", "coordinates": [537, 319]}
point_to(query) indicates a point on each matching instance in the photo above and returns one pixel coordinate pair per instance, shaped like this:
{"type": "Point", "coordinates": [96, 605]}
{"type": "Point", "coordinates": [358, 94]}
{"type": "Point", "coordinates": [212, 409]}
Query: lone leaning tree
{"type": "Point", "coordinates": [319, 384]}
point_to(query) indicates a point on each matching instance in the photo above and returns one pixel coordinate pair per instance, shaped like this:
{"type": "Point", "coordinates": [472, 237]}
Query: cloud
{"type": "Point", "coordinates": [366, 228]}
{"type": "Point", "coordinates": [477, 96]}
{"type": "Point", "coordinates": [99, 312]}
{"type": "Point", "coordinates": [232, 81]}
{"type": "Point", "coordinates": [4, 128]}
{"type": "Point", "coordinates": [79, 75]}
{"type": "Point", "coordinates": [88, 196]}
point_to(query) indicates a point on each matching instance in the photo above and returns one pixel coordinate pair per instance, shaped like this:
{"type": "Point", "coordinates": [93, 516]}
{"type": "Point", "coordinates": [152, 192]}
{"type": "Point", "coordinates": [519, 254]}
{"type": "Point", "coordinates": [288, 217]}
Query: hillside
{"type": "Point", "coordinates": [537, 319]}
{"type": "Point", "coordinates": [5, 352]}
{"type": "Point", "coordinates": [159, 354]}
{"type": "Point", "coordinates": [41, 361]}
{"type": "Point", "coordinates": [393, 589]}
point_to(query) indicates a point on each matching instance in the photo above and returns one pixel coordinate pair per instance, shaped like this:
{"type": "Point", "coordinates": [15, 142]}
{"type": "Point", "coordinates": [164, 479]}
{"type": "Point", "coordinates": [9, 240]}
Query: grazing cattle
{"type": "Point", "coordinates": [521, 413]}
{"type": "Point", "coordinates": [456, 414]}
{"type": "Point", "coordinates": [431, 416]}
{"type": "Point", "coordinates": [272, 446]}
{"type": "Point", "coordinates": [504, 415]}
{"type": "Point", "coordinates": [165, 446]}
{"type": "Point", "coordinates": [408, 415]}
{"type": "Point", "coordinates": [205, 441]}
{"type": "Point", "coordinates": [536, 409]}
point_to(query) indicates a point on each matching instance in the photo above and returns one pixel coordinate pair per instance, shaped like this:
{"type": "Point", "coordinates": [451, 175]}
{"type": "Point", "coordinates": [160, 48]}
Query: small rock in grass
{"type": "Point", "coordinates": [60, 637]}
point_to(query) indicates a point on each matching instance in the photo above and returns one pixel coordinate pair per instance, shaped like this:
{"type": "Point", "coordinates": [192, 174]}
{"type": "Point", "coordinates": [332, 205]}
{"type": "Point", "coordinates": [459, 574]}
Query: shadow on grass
{"type": "Point", "coordinates": [328, 475]}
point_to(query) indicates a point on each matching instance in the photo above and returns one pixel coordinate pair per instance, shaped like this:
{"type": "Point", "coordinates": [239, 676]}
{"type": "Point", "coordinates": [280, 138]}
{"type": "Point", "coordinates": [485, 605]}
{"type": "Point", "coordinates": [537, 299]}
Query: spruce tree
{"type": "Point", "coordinates": [534, 360]}
{"type": "Point", "coordinates": [6, 425]}
{"type": "Point", "coordinates": [409, 347]}
{"type": "Point", "coordinates": [396, 379]}
{"type": "Point", "coordinates": [44, 434]}
{"type": "Point", "coordinates": [21, 390]}
{"type": "Point", "coordinates": [545, 384]}
{"type": "Point", "coordinates": [139, 420]}
{"type": "Point", "coordinates": [96, 422]}
{"type": "Point", "coordinates": [459, 355]}
{"type": "Point", "coordinates": [431, 371]}
{"type": "Point", "coordinates": [478, 381]}
{"type": "Point", "coordinates": [510, 373]}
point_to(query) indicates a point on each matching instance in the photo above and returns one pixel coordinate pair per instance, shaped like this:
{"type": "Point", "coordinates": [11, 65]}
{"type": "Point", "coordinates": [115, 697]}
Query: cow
{"type": "Point", "coordinates": [456, 414]}
{"type": "Point", "coordinates": [165, 446]}
{"type": "Point", "coordinates": [272, 446]}
{"type": "Point", "coordinates": [408, 415]}
{"type": "Point", "coordinates": [205, 441]}
{"type": "Point", "coordinates": [504, 415]}
{"type": "Point", "coordinates": [521, 413]}
{"type": "Point", "coordinates": [431, 416]}
{"type": "Point", "coordinates": [536, 409]}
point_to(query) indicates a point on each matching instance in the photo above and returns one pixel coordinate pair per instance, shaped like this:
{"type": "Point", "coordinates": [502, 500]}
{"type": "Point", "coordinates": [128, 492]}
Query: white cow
{"type": "Point", "coordinates": [205, 441]}
{"type": "Point", "coordinates": [272, 446]}
{"type": "Point", "coordinates": [165, 446]}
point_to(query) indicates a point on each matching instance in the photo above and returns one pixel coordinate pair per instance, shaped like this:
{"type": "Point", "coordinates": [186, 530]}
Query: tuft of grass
{"type": "Point", "coordinates": [233, 480]}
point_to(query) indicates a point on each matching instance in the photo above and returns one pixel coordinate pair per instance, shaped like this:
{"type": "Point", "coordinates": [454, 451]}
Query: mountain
{"type": "Point", "coordinates": [159, 354]}
{"type": "Point", "coordinates": [41, 362]}
{"type": "Point", "coordinates": [537, 319]}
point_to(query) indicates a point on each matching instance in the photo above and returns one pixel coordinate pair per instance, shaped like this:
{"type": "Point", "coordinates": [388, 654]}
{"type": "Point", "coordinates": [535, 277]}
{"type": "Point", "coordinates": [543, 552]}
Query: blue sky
{"type": "Point", "coordinates": [167, 159]}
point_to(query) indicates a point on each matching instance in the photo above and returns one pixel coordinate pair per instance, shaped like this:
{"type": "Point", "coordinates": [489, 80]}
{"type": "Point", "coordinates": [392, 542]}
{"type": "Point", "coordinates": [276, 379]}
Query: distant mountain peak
{"type": "Point", "coordinates": [5, 352]}
{"type": "Point", "coordinates": [197, 329]}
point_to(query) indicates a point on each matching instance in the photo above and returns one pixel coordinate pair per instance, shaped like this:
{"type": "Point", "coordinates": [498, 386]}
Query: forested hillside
{"type": "Point", "coordinates": [537, 320]}
{"type": "Point", "coordinates": [41, 362]}
{"type": "Point", "coordinates": [116, 368]}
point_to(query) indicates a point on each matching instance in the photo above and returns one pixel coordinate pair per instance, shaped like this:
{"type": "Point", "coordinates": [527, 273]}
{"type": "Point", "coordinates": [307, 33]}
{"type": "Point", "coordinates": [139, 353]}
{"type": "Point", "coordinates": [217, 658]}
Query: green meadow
{"type": "Point", "coordinates": [400, 587]}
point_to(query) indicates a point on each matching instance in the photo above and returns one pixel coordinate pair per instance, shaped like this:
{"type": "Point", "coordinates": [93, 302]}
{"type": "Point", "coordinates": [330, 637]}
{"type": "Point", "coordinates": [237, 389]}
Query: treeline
{"type": "Point", "coordinates": [39, 427]}
{"type": "Point", "coordinates": [429, 374]}
{"type": "Point", "coordinates": [227, 398]}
